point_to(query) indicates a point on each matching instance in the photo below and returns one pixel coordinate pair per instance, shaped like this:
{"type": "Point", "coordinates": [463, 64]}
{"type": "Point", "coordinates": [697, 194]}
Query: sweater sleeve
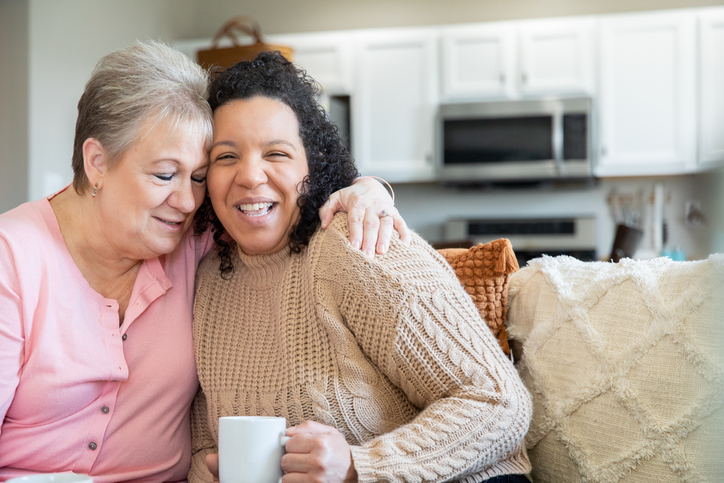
{"type": "Point", "coordinates": [202, 443]}
{"type": "Point", "coordinates": [413, 320]}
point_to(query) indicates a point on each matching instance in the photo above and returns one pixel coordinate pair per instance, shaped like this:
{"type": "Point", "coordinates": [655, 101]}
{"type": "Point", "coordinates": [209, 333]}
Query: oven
{"type": "Point", "coordinates": [531, 237]}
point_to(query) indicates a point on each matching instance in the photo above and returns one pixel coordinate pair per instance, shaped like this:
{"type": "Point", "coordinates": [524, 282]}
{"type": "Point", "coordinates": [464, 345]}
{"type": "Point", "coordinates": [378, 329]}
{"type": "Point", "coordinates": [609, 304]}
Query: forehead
{"type": "Point", "coordinates": [184, 142]}
{"type": "Point", "coordinates": [256, 114]}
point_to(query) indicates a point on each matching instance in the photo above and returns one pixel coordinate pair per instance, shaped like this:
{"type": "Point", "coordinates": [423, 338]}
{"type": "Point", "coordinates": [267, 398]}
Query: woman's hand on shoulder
{"type": "Point", "coordinates": [363, 202]}
{"type": "Point", "coordinates": [317, 453]}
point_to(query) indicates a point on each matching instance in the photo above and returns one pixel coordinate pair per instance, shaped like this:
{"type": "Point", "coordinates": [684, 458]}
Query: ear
{"type": "Point", "coordinates": [95, 161]}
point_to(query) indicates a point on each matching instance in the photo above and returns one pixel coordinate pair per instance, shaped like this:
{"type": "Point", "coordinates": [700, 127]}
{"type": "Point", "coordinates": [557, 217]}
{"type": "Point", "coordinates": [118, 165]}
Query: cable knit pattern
{"type": "Point", "coordinates": [389, 350]}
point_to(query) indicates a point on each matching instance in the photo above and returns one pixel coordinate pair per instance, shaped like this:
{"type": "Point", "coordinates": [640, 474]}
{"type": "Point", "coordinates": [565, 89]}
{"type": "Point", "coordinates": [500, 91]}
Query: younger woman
{"type": "Point", "coordinates": [381, 365]}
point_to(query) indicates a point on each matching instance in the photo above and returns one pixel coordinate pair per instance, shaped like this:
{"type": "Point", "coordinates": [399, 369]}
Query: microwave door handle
{"type": "Point", "coordinates": [558, 139]}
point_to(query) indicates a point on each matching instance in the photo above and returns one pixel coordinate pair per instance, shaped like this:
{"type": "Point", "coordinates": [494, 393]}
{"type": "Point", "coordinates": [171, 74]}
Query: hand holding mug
{"type": "Point", "coordinates": [250, 449]}
{"type": "Point", "coordinates": [212, 463]}
{"type": "Point", "coordinates": [317, 453]}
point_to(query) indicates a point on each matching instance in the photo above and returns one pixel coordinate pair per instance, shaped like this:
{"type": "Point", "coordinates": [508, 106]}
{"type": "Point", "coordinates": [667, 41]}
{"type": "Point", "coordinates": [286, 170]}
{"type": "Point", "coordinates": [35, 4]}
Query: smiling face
{"type": "Point", "coordinates": [148, 198]}
{"type": "Point", "coordinates": [257, 162]}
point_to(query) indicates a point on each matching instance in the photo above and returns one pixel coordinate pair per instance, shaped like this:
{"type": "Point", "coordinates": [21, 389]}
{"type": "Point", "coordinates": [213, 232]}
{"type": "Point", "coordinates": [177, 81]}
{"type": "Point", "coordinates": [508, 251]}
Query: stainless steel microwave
{"type": "Point", "coordinates": [527, 140]}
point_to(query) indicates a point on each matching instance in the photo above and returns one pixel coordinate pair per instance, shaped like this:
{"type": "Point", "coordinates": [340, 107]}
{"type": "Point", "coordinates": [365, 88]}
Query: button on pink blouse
{"type": "Point", "coordinates": [78, 393]}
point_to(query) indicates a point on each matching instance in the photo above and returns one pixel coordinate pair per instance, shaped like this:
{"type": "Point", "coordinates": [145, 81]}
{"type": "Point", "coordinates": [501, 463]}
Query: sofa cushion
{"type": "Point", "coordinates": [484, 271]}
{"type": "Point", "coordinates": [625, 363]}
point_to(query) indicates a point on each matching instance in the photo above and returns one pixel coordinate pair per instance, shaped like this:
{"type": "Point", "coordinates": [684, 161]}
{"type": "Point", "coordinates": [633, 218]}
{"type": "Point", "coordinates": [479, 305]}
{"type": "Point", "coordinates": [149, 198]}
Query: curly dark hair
{"type": "Point", "coordinates": [330, 164]}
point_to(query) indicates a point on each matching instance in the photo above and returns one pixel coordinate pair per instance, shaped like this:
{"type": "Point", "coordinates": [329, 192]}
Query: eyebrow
{"type": "Point", "coordinates": [232, 144]}
{"type": "Point", "coordinates": [280, 141]}
{"type": "Point", "coordinates": [178, 163]}
{"type": "Point", "coordinates": [223, 143]}
{"type": "Point", "coordinates": [167, 160]}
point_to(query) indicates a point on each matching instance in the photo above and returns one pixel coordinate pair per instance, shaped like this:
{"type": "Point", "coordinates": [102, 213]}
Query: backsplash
{"type": "Point", "coordinates": [427, 208]}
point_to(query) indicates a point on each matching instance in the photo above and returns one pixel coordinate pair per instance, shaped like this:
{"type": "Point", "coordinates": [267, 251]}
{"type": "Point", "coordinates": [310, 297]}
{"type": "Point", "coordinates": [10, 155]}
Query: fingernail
{"type": "Point", "coordinates": [356, 244]}
{"type": "Point", "coordinates": [370, 253]}
{"type": "Point", "coordinates": [383, 249]}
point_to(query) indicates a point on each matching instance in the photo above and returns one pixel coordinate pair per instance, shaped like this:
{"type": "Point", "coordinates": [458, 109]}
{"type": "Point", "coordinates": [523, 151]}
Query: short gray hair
{"type": "Point", "coordinates": [145, 82]}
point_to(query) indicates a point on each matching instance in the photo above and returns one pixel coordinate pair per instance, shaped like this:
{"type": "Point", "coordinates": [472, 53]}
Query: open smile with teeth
{"type": "Point", "coordinates": [255, 209]}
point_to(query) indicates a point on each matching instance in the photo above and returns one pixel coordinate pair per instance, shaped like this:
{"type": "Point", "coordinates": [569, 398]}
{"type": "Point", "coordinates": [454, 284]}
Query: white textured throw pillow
{"type": "Point", "coordinates": [626, 366]}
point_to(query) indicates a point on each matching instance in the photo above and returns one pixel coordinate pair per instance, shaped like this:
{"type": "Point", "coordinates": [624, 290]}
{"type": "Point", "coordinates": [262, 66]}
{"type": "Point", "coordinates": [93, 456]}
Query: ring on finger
{"type": "Point", "coordinates": [383, 214]}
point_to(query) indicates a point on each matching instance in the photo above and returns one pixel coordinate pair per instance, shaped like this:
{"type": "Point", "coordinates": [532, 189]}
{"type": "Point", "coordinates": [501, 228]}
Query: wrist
{"type": "Point", "coordinates": [382, 180]}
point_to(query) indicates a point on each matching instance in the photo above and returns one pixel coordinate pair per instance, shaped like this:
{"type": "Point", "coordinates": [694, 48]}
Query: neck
{"type": "Point", "coordinates": [86, 238]}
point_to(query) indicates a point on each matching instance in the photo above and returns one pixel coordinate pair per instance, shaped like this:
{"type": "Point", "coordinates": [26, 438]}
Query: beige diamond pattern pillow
{"type": "Point", "coordinates": [626, 366]}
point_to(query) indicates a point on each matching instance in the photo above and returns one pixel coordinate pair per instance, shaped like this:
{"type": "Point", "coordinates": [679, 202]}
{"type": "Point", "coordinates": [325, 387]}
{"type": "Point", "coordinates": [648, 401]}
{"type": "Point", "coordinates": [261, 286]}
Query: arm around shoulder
{"type": "Point", "coordinates": [414, 321]}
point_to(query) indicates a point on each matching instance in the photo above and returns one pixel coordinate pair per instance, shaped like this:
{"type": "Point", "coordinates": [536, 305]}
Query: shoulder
{"type": "Point", "coordinates": [26, 218]}
{"type": "Point", "coordinates": [209, 283]}
{"type": "Point", "coordinates": [192, 248]}
{"type": "Point", "coordinates": [416, 262]}
{"type": "Point", "coordinates": [208, 268]}
{"type": "Point", "coordinates": [25, 229]}
{"type": "Point", "coordinates": [26, 243]}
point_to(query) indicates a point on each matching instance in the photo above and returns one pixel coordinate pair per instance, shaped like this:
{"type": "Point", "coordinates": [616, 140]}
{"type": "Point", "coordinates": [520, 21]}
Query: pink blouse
{"type": "Point", "coordinates": [78, 393]}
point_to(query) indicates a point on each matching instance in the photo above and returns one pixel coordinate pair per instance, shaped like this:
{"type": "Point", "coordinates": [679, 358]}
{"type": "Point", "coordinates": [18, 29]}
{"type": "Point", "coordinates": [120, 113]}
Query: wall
{"type": "Point", "coordinates": [66, 40]}
{"type": "Point", "coordinates": [13, 103]}
{"type": "Point", "coordinates": [282, 16]}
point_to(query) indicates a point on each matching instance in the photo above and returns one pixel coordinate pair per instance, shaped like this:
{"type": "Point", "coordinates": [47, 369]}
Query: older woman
{"type": "Point", "coordinates": [97, 369]}
{"type": "Point", "coordinates": [381, 364]}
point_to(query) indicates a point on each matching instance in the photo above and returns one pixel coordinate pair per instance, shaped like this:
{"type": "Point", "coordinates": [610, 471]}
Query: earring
{"type": "Point", "coordinates": [95, 190]}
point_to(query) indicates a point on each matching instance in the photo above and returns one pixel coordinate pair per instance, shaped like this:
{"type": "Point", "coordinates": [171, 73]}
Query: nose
{"type": "Point", "coordinates": [251, 173]}
{"type": "Point", "coordinates": [183, 198]}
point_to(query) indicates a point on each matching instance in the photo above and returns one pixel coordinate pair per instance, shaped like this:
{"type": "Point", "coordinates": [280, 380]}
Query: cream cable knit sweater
{"type": "Point", "coordinates": [391, 351]}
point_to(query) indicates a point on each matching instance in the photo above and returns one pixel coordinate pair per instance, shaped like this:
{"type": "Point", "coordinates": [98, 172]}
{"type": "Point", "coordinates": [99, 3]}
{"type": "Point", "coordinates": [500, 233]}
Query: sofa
{"type": "Point", "coordinates": [624, 361]}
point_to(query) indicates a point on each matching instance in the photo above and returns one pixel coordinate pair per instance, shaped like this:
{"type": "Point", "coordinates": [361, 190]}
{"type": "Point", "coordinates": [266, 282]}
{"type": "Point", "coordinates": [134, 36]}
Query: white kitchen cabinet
{"type": "Point", "coordinates": [556, 56]}
{"type": "Point", "coordinates": [647, 94]}
{"type": "Point", "coordinates": [394, 103]}
{"type": "Point", "coordinates": [326, 56]}
{"type": "Point", "coordinates": [511, 60]}
{"type": "Point", "coordinates": [711, 87]}
{"type": "Point", "coordinates": [478, 61]}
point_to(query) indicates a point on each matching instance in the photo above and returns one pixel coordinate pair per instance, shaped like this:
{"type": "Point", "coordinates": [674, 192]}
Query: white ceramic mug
{"type": "Point", "coordinates": [251, 449]}
{"type": "Point", "coordinates": [53, 478]}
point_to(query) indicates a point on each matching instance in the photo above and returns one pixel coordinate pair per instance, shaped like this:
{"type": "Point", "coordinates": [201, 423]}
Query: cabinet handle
{"type": "Point", "coordinates": [603, 150]}
{"type": "Point", "coordinates": [502, 78]}
{"type": "Point", "coordinates": [524, 78]}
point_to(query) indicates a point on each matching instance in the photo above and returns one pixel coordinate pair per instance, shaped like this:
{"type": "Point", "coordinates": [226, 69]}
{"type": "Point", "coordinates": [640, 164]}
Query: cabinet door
{"type": "Point", "coordinates": [711, 78]}
{"type": "Point", "coordinates": [326, 56]}
{"type": "Point", "coordinates": [647, 101]}
{"type": "Point", "coordinates": [478, 62]}
{"type": "Point", "coordinates": [556, 56]}
{"type": "Point", "coordinates": [394, 104]}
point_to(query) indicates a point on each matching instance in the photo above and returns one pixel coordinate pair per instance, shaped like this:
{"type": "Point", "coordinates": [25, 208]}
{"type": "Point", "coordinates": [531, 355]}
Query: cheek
{"type": "Point", "coordinates": [199, 194]}
{"type": "Point", "coordinates": [217, 187]}
{"type": "Point", "coordinates": [214, 184]}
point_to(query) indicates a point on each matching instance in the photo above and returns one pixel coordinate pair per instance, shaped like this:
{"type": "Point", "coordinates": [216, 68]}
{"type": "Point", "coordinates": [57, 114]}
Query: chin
{"type": "Point", "coordinates": [164, 247]}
